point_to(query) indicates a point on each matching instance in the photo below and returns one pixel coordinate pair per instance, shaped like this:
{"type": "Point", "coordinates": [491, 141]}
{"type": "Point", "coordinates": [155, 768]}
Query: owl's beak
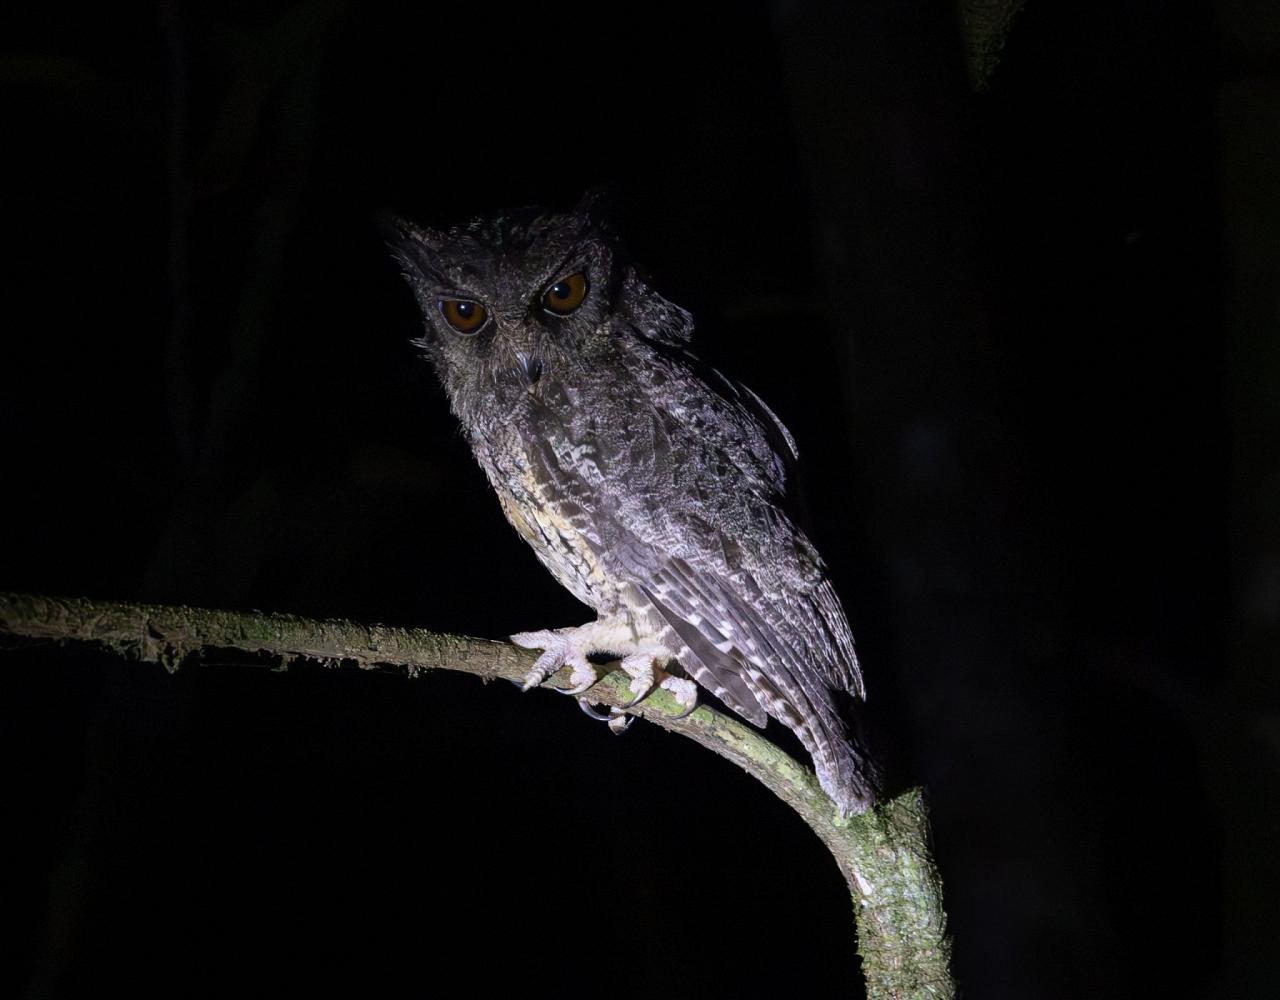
{"type": "Point", "coordinates": [530, 366]}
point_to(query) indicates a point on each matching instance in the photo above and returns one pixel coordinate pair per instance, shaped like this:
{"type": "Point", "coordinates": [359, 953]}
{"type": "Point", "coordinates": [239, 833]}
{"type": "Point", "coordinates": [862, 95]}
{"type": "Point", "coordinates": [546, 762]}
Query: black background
{"type": "Point", "coordinates": [1026, 340]}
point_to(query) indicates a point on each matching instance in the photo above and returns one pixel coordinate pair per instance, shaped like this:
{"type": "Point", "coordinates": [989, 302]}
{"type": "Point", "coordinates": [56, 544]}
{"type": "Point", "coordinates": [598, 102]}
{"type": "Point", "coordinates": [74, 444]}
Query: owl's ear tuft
{"type": "Point", "coordinates": [396, 229]}
{"type": "Point", "coordinates": [599, 206]}
{"type": "Point", "coordinates": [415, 247]}
{"type": "Point", "coordinates": [417, 251]}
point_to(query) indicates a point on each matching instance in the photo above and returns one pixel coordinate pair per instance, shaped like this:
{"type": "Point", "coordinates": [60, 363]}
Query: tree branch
{"type": "Point", "coordinates": [884, 855]}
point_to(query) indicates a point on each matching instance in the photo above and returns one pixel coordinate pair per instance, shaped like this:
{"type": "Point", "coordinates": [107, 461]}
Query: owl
{"type": "Point", "coordinates": [651, 486]}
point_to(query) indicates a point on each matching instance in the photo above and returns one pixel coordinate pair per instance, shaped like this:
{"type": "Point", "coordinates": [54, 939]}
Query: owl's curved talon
{"type": "Point", "coordinates": [572, 692]}
{"type": "Point", "coordinates": [639, 697]}
{"type": "Point", "coordinates": [590, 709]}
{"type": "Point", "coordinates": [581, 686]}
{"type": "Point", "coordinates": [617, 720]}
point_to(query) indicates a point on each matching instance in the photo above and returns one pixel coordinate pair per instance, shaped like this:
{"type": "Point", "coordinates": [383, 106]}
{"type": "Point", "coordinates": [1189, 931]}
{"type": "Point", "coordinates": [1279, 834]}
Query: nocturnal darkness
{"type": "Point", "coordinates": [1025, 337]}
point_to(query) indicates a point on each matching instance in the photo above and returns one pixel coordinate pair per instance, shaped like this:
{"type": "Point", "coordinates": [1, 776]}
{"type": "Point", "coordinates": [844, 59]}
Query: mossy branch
{"type": "Point", "coordinates": [884, 855]}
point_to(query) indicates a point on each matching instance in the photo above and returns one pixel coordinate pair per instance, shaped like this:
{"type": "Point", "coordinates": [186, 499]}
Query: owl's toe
{"type": "Point", "coordinates": [644, 677]}
{"type": "Point", "coordinates": [684, 691]}
{"type": "Point", "coordinates": [543, 639]}
{"type": "Point", "coordinates": [584, 675]}
{"type": "Point", "coordinates": [546, 665]}
{"type": "Point", "coordinates": [559, 651]}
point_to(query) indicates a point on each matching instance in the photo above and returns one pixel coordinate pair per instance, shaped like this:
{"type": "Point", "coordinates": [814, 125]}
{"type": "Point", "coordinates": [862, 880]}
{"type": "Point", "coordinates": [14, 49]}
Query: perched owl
{"type": "Point", "coordinates": [650, 485]}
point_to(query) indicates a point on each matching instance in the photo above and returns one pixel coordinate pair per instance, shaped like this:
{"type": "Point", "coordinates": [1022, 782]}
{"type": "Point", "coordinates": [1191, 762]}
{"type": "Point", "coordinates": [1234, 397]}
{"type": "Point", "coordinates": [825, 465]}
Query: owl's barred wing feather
{"type": "Point", "coordinates": [744, 597]}
{"type": "Point", "coordinates": [702, 651]}
{"type": "Point", "coordinates": [749, 538]}
{"type": "Point", "coordinates": [760, 657]}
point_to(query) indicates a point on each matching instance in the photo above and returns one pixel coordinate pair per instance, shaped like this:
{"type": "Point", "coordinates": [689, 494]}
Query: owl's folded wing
{"type": "Point", "coordinates": [744, 598]}
{"type": "Point", "coordinates": [780, 656]}
{"type": "Point", "coordinates": [758, 664]}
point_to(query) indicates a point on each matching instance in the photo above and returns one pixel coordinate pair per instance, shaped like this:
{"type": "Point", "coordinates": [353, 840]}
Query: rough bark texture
{"type": "Point", "coordinates": [884, 855]}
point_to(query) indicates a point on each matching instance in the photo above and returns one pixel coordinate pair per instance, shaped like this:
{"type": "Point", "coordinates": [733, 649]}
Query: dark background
{"type": "Point", "coordinates": [1026, 339]}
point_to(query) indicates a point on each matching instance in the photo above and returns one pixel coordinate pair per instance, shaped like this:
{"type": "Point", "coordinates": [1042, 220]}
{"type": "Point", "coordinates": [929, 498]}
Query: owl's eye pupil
{"type": "Point", "coordinates": [466, 309]}
{"type": "Point", "coordinates": [560, 290]}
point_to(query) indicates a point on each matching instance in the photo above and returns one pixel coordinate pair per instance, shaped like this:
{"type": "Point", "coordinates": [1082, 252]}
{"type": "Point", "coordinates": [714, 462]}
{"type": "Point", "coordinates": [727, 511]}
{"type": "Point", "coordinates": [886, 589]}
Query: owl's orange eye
{"type": "Point", "coordinates": [566, 294]}
{"type": "Point", "coordinates": [463, 315]}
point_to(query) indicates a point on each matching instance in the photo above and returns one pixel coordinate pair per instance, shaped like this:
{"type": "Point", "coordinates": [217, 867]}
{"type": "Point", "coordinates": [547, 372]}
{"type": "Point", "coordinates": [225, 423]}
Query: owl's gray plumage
{"type": "Point", "coordinates": [651, 486]}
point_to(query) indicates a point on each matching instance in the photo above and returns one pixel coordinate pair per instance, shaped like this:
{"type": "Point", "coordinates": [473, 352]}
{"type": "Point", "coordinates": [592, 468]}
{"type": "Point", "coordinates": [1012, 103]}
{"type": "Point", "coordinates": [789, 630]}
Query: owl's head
{"type": "Point", "coordinates": [515, 298]}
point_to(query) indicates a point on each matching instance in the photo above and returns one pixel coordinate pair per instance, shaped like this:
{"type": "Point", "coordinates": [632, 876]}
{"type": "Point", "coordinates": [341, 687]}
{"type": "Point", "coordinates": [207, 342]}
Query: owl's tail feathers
{"type": "Point", "coordinates": [846, 771]}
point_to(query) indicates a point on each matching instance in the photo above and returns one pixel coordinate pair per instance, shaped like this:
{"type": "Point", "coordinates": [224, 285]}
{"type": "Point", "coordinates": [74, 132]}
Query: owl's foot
{"type": "Point", "coordinates": [685, 693]}
{"type": "Point", "coordinates": [644, 674]}
{"type": "Point", "coordinates": [570, 647]}
{"type": "Point", "coordinates": [560, 649]}
{"type": "Point", "coordinates": [640, 668]}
